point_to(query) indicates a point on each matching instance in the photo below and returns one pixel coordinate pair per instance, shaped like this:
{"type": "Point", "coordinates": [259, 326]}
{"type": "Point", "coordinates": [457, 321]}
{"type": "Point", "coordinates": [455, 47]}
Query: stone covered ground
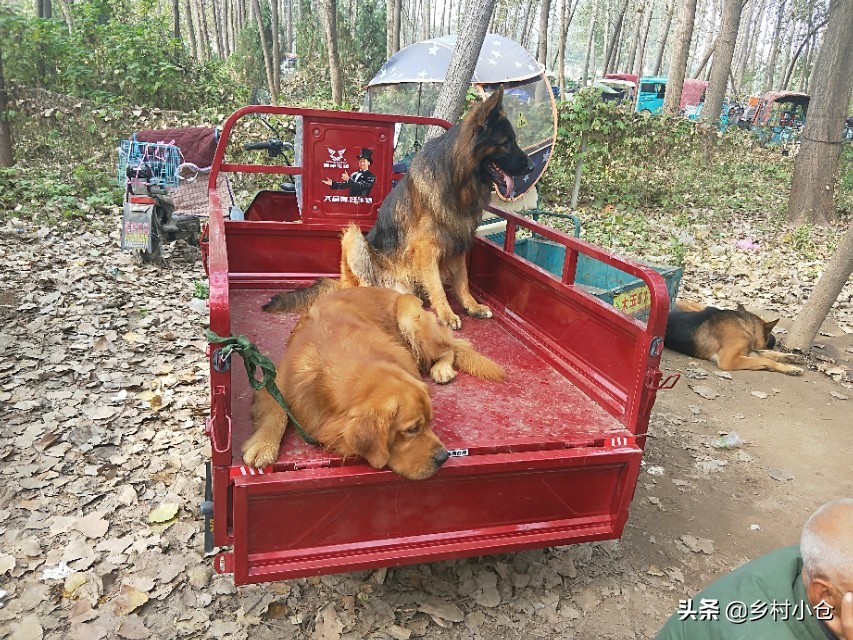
{"type": "Point", "coordinates": [103, 395]}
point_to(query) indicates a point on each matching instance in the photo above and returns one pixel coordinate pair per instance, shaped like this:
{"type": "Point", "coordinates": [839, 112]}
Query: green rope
{"type": "Point", "coordinates": [252, 359]}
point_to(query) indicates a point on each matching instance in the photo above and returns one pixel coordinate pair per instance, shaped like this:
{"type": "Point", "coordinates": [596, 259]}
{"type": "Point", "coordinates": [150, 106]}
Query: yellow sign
{"type": "Point", "coordinates": [633, 300]}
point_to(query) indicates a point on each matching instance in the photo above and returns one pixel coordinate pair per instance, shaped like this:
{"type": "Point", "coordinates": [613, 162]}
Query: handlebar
{"type": "Point", "coordinates": [273, 146]}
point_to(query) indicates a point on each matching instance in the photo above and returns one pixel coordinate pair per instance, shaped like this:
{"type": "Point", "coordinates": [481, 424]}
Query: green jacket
{"type": "Point", "coordinates": [776, 577]}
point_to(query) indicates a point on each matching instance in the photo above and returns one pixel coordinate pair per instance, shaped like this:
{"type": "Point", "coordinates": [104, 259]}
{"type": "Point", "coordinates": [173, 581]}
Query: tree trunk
{"type": "Point", "coordinates": [635, 40]}
{"type": "Point", "coordinates": [745, 41]}
{"type": "Point", "coordinates": [807, 323]}
{"type": "Point", "coordinates": [188, 19]}
{"type": "Point", "coordinates": [639, 61]}
{"type": "Point", "coordinates": [451, 98]}
{"type": "Point", "coordinates": [288, 28]}
{"type": "Point", "coordinates": [524, 38]}
{"type": "Point", "coordinates": [66, 13]}
{"type": "Point", "coordinates": [330, 24]}
{"type": "Point", "coordinates": [176, 20]}
{"type": "Point", "coordinates": [670, 10]}
{"type": "Point", "coordinates": [793, 63]}
{"type": "Point", "coordinates": [705, 58]}
{"type": "Point", "coordinates": [217, 29]}
{"type": "Point", "coordinates": [256, 9]}
{"type": "Point", "coordinates": [816, 165]}
{"type": "Point", "coordinates": [610, 57]}
{"type": "Point", "coordinates": [275, 28]}
{"type": "Point", "coordinates": [7, 156]}
{"type": "Point", "coordinates": [393, 16]}
{"type": "Point", "coordinates": [544, 16]}
{"type": "Point", "coordinates": [204, 36]}
{"type": "Point", "coordinates": [678, 59]}
{"type": "Point", "coordinates": [722, 64]}
{"type": "Point", "coordinates": [590, 42]}
{"type": "Point", "coordinates": [770, 73]}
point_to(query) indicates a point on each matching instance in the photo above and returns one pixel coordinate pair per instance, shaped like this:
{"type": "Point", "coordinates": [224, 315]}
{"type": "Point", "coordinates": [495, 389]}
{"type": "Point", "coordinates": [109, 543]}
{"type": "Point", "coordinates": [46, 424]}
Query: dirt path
{"type": "Point", "coordinates": [103, 396]}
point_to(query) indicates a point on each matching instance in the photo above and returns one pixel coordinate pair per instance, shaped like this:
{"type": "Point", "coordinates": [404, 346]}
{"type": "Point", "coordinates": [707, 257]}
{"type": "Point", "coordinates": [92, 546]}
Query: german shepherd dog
{"type": "Point", "coordinates": [427, 223]}
{"type": "Point", "coordinates": [734, 340]}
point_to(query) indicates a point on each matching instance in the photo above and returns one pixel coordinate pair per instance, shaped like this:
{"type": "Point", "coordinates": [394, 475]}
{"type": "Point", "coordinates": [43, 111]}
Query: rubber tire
{"type": "Point", "coordinates": [155, 256]}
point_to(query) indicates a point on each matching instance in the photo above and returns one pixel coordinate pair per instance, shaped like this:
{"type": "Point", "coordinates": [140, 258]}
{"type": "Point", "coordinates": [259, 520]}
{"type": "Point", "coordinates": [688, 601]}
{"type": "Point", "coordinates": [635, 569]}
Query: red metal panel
{"type": "Point", "coordinates": [296, 524]}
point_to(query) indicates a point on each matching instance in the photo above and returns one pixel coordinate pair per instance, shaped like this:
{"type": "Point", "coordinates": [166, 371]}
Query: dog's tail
{"type": "Point", "coordinates": [467, 359]}
{"type": "Point", "coordinates": [300, 300]}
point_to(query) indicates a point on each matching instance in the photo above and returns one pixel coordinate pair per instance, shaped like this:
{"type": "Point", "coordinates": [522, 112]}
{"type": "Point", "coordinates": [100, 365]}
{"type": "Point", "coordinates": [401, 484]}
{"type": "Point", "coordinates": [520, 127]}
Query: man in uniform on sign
{"type": "Point", "coordinates": [803, 592]}
{"type": "Point", "coordinates": [359, 183]}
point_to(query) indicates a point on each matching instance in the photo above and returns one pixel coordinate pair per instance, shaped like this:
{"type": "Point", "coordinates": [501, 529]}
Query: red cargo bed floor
{"type": "Point", "coordinates": [536, 408]}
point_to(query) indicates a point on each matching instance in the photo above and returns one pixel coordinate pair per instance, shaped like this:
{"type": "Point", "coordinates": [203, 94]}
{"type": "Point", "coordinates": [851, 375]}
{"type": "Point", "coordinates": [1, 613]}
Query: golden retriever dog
{"type": "Point", "coordinates": [351, 375]}
{"type": "Point", "coordinates": [427, 224]}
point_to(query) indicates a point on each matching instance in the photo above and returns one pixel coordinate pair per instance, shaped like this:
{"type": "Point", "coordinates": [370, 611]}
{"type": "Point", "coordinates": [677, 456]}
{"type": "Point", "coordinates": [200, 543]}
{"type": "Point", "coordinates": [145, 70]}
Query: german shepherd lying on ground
{"type": "Point", "coordinates": [351, 377]}
{"type": "Point", "coordinates": [733, 340]}
{"type": "Point", "coordinates": [427, 223]}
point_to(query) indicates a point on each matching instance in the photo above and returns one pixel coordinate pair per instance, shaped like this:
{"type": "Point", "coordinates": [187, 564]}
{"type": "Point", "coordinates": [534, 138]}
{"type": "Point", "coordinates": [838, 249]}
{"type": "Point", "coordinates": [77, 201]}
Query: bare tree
{"type": "Point", "coordinates": [188, 18]}
{"type": "Point", "coordinates": [640, 59]}
{"type": "Point", "coordinates": [567, 12]}
{"type": "Point", "coordinates": [590, 42]}
{"type": "Point", "coordinates": [7, 156]}
{"type": "Point", "coordinates": [745, 41]}
{"type": "Point", "coordinates": [542, 48]}
{"type": "Point", "coordinates": [611, 57]}
{"type": "Point", "coordinates": [393, 18]}
{"type": "Point", "coordinates": [722, 63]}
{"type": "Point", "coordinates": [256, 8]}
{"type": "Point", "coordinates": [816, 165]}
{"type": "Point", "coordinates": [451, 98]}
{"type": "Point", "coordinates": [678, 60]}
{"type": "Point", "coordinates": [770, 72]}
{"type": "Point", "coordinates": [275, 28]}
{"type": "Point", "coordinates": [330, 24]}
{"type": "Point", "coordinates": [667, 24]}
{"type": "Point", "coordinates": [176, 19]}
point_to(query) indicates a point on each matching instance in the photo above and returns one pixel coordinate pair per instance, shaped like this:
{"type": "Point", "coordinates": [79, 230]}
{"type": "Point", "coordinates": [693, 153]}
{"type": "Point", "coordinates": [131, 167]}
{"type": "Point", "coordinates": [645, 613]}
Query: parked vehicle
{"type": "Point", "coordinates": [779, 117]}
{"type": "Point", "coordinates": [652, 91]}
{"type": "Point", "coordinates": [155, 166]}
{"type": "Point", "coordinates": [551, 457]}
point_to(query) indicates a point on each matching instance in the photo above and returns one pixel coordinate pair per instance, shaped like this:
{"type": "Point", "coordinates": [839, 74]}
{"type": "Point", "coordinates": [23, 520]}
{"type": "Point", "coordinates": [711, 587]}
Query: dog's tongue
{"type": "Point", "coordinates": [507, 185]}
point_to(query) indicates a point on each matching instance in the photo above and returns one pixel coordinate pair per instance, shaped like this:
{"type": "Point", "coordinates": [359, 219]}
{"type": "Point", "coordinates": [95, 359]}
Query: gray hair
{"type": "Point", "coordinates": [826, 544]}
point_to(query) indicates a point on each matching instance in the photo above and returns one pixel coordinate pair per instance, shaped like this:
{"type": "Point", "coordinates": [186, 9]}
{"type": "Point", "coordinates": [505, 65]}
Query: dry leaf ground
{"type": "Point", "coordinates": [103, 398]}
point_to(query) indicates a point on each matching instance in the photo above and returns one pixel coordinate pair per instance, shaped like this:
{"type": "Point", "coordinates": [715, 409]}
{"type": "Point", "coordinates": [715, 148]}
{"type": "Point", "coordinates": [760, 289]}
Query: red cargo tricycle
{"type": "Point", "coordinates": [551, 457]}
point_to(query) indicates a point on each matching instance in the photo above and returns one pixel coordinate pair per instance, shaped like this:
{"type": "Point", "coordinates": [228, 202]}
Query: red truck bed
{"type": "Point", "coordinates": [549, 457]}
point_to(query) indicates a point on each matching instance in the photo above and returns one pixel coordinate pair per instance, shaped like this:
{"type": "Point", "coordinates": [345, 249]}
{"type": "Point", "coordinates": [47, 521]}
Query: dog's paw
{"type": "Point", "coordinates": [259, 453]}
{"type": "Point", "coordinates": [442, 372]}
{"type": "Point", "coordinates": [451, 320]}
{"type": "Point", "coordinates": [791, 371]}
{"type": "Point", "coordinates": [480, 311]}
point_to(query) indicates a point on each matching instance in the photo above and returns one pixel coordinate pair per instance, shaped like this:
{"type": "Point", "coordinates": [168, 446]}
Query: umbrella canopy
{"type": "Point", "coordinates": [501, 60]}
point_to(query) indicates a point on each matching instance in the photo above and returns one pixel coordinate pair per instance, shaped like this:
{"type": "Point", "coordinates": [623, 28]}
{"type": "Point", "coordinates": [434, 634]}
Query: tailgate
{"type": "Point", "coordinates": [331, 519]}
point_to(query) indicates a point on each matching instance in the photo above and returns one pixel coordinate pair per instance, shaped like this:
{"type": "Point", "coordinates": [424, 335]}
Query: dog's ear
{"type": "Point", "coordinates": [741, 308]}
{"type": "Point", "coordinates": [367, 431]}
{"type": "Point", "coordinates": [489, 108]}
{"type": "Point", "coordinates": [768, 326]}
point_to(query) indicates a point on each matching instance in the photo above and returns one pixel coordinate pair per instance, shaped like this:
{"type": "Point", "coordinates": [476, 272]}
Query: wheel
{"type": "Point", "coordinates": [155, 256]}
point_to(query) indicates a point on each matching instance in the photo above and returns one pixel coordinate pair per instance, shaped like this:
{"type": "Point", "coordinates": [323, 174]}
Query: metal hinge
{"type": "Point", "coordinates": [312, 464]}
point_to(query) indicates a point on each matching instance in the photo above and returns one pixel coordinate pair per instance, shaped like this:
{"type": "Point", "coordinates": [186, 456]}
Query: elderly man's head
{"type": "Point", "coordinates": [826, 546]}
